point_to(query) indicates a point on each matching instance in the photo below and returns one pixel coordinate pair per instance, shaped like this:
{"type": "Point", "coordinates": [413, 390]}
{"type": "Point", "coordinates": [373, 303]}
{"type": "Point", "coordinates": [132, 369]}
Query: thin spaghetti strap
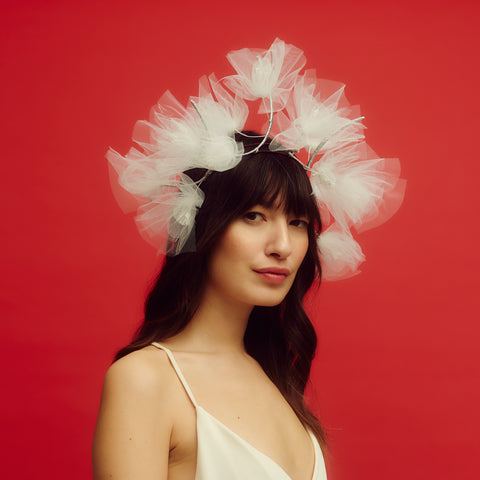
{"type": "Point", "coordinates": [177, 371]}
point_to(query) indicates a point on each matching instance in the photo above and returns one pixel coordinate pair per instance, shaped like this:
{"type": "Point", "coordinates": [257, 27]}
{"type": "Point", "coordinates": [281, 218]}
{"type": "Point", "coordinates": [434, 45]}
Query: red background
{"type": "Point", "coordinates": [396, 376]}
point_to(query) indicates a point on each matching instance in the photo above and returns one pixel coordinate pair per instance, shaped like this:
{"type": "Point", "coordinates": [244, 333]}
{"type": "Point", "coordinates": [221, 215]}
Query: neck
{"type": "Point", "coordinates": [218, 325]}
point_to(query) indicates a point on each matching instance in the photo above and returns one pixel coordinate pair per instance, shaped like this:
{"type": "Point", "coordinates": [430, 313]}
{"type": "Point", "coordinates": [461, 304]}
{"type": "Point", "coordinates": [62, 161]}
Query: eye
{"type": "Point", "coordinates": [253, 216]}
{"type": "Point", "coordinates": [299, 222]}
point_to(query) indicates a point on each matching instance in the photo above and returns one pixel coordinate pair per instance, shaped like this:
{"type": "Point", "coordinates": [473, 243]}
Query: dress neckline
{"type": "Point", "coordinates": [247, 444]}
{"type": "Point", "coordinates": [259, 452]}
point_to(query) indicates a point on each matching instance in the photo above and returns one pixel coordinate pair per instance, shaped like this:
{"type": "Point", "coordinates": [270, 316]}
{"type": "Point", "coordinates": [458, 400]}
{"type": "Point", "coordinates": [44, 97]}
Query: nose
{"type": "Point", "coordinates": [279, 243]}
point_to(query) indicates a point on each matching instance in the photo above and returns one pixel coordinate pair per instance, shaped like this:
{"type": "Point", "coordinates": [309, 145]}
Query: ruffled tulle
{"type": "Point", "coordinates": [352, 185]}
{"type": "Point", "coordinates": [174, 140]}
{"type": "Point", "coordinates": [167, 221]}
{"type": "Point", "coordinates": [354, 188]}
{"type": "Point", "coordinates": [340, 254]}
{"type": "Point", "coordinates": [265, 74]}
{"type": "Point", "coordinates": [315, 122]}
{"type": "Point", "coordinates": [222, 113]}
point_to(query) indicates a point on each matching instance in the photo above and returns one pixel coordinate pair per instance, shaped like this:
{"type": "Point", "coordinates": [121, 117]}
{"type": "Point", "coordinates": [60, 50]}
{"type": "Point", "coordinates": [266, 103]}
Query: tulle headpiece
{"type": "Point", "coordinates": [308, 118]}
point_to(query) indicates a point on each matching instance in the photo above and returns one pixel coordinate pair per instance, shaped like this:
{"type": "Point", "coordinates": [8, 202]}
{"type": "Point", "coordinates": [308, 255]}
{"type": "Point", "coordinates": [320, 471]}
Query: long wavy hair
{"type": "Point", "coordinates": [281, 338]}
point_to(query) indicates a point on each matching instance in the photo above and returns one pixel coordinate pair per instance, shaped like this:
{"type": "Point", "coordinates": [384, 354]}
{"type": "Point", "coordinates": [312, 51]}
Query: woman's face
{"type": "Point", "coordinates": [258, 256]}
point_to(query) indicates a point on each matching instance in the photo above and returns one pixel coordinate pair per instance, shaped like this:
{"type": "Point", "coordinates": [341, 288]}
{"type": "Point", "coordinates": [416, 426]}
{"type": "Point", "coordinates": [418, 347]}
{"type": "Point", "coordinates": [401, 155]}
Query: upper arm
{"type": "Point", "coordinates": [132, 435]}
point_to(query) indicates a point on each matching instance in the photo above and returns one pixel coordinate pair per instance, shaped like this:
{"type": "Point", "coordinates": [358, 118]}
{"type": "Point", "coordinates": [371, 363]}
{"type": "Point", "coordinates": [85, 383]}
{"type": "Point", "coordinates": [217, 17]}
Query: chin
{"type": "Point", "coordinates": [269, 304]}
{"type": "Point", "coordinates": [270, 300]}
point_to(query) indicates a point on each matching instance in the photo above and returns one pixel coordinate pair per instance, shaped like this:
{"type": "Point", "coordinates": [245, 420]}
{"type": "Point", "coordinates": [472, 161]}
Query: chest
{"type": "Point", "coordinates": [240, 415]}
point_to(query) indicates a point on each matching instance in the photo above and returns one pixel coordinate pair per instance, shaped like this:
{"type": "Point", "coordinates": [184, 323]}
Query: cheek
{"type": "Point", "coordinates": [230, 248]}
{"type": "Point", "coordinates": [301, 250]}
{"type": "Point", "coordinates": [230, 255]}
{"type": "Point", "coordinates": [238, 244]}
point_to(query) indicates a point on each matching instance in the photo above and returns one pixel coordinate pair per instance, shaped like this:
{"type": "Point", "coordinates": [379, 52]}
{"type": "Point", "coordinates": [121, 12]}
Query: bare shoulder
{"type": "Point", "coordinates": [141, 374]}
{"type": "Point", "coordinates": [135, 421]}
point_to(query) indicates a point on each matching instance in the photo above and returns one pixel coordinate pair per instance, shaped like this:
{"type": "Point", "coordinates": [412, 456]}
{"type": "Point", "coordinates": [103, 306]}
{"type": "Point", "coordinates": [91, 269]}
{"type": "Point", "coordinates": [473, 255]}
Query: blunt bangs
{"type": "Point", "coordinates": [273, 180]}
{"type": "Point", "coordinates": [270, 179]}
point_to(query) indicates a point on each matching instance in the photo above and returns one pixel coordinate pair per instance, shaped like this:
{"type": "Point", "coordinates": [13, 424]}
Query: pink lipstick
{"type": "Point", "coordinates": [273, 274]}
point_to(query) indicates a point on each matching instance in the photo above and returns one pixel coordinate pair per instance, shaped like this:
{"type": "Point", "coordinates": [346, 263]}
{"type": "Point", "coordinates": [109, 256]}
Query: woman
{"type": "Point", "coordinates": [212, 385]}
{"type": "Point", "coordinates": [231, 313]}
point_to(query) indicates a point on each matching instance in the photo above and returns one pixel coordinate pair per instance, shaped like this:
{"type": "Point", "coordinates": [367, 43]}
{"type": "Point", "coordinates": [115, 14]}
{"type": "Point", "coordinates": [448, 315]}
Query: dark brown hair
{"type": "Point", "coordinates": [281, 338]}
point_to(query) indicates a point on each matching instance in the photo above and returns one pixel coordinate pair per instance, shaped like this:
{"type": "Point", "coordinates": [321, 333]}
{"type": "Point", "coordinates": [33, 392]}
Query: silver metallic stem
{"type": "Point", "coordinates": [321, 144]}
{"type": "Point", "coordinates": [195, 106]}
{"type": "Point", "coordinates": [248, 136]}
{"type": "Point", "coordinates": [270, 123]}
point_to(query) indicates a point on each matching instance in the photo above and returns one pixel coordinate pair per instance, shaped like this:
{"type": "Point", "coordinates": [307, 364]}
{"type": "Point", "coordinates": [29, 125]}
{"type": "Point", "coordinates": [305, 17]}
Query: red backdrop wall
{"type": "Point", "coordinates": [396, 377]}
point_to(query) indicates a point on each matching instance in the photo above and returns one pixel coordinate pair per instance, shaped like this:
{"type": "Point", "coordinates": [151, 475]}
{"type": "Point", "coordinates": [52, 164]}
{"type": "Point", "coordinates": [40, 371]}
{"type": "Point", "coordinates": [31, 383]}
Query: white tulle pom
{"type": "Point", "coordinates": [350, 186]}
{"type": "Point", "coordinates": [219, 154]}
{"type": "Point", "coordinates": [226, 114]}
{"type": "Point", "coordinates": [167, 220]}
{"type": "Point", "coordinates": [265, 74]}
{"type": "Point", "coordinates": [340, 254]}
{"type": "Point", "coordinates": [177, 139]}
{"type": "Point", "coordinates": [136, 173]}
{"type": "Point", "coordinates": [173, 132]}
{"type": "Point", "coordinates": [189, 200]}
{"type": "Point", "coordinates": [317, 121]}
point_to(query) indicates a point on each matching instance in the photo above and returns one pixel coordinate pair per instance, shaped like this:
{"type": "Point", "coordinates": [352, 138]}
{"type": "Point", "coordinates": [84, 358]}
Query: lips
{"type": "Point", "coordinates": [275, 270]}
{"type": "Point", "coordinates": [273, 274]}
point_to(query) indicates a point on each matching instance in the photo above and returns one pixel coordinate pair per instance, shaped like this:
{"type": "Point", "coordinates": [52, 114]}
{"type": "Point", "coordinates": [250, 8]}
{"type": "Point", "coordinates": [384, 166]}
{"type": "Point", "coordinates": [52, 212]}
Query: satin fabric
{"type": "Point", "coordinates": [224, 455]}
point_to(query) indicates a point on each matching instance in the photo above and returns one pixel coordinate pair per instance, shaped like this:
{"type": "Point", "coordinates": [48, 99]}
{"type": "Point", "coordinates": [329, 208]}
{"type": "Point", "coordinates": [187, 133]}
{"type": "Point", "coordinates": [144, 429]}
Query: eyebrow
{"type": "Point", "coordinates": [272, 206]}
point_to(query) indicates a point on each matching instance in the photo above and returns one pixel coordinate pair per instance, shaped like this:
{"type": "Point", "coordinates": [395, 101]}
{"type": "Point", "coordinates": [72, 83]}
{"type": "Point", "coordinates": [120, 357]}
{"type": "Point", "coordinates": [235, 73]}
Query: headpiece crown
{"type": "Point", "coordinates": [307, 117]}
